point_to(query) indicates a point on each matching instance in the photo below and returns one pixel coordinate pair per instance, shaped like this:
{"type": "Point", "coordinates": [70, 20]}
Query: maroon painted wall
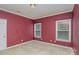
{"type": "Point", "coordinates": [49, 29]}
{"type": "Point", "coordinates": [18, 28]}
{"type": "Point", "coordinates": [76, 29]}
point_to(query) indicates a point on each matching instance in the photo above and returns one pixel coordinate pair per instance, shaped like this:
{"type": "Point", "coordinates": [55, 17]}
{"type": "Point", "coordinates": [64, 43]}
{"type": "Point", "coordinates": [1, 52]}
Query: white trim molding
{"type": "Point", "coordinates": [52, 14]}
{"type": "Point", "coordinates": [69, 21]}
{"type": "Point", "coordinates": [13, 13]}
{"type": "Point", "coordinates": [35, 18]}
{"type": "Point", "coordinates": [16, 45]}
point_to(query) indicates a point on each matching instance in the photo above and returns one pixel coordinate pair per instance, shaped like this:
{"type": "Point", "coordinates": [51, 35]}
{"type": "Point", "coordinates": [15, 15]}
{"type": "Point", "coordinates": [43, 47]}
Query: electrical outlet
{"type": "Point", "coordinates": [54, 41]}
{"type": "Point", "coordinates": [21, 40]}
{"type": "Point", "coordinates": [50, 40]}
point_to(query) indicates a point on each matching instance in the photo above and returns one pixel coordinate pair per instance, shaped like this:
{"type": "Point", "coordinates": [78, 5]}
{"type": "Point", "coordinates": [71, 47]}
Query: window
{"type": "Point", "coordinates": [37, 30]}
{"type": "Point", "coordinates": [63, 30]}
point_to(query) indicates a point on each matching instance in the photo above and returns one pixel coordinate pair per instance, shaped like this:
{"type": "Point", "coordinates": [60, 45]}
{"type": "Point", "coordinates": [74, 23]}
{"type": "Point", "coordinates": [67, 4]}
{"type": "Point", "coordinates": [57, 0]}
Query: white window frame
{"type": "Point", "coordinates": [69, 30]}
{"type": "Point", "coordinates": [35, 30]}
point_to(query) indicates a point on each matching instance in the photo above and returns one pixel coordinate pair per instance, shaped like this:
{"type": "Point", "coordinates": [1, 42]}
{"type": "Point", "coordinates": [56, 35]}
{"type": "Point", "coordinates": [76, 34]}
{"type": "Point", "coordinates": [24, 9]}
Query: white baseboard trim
{"type": "Point", "coordinates": [59, 46]}
{"type": "Point", "coordinates": [42, 42]}
{"type": "Point", "coordinates": [15, 45]}
{"type": "Point", "coordinates": [55, 44]}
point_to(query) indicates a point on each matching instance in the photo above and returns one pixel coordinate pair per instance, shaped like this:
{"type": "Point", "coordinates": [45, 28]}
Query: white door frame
{"type": "Point", "coordinates": [3, 34]}
{"type": "Point", "coordinates": [69, 30]}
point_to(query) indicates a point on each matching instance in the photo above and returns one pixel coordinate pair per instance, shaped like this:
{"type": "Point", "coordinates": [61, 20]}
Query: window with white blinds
{"type": "Point", "coordinates": [63, 30]}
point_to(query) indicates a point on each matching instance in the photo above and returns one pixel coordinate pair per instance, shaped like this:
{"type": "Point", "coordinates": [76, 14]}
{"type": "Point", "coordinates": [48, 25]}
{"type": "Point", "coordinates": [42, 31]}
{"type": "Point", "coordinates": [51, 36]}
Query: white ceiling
{"type": "Point", "coordinates": [41, 10]}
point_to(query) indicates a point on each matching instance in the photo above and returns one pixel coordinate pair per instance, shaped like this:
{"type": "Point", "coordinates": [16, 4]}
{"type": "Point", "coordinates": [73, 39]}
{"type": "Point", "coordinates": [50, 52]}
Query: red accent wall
{"type": "Point", "coordinates": [49, 29]}
{"type": "Point", "coordinates": [76, 29]}
{"type": "Point", "coordinates": [18, 28]}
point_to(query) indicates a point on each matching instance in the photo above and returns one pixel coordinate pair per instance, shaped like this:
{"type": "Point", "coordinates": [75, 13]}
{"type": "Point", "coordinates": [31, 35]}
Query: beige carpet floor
{"type": "Point", "coordinates": [38, 48]}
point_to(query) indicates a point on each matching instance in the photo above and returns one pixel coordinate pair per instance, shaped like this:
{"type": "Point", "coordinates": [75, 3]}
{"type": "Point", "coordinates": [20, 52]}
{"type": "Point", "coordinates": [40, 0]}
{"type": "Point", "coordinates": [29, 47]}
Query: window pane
{"type": "Point", "coordinates": [38, 33]}
{"type": "Point", "coordinates": [63, 26]}
{"type": "Point", "coordinates": [37, 30]}
{"type": "Point", "coordinates": [37, 27]}
{"type": "Point", "coordinates": [63, 30]}
{"type": "Point", "coordinates": [63, 35]}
